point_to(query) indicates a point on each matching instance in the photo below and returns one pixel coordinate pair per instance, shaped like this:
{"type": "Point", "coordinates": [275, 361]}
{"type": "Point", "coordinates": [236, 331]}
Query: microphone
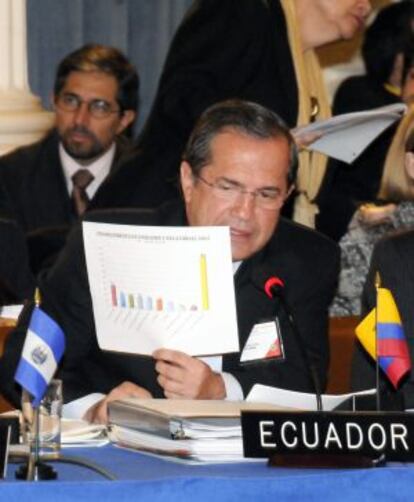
{"type": "Point", "coordinates": [274, 288]}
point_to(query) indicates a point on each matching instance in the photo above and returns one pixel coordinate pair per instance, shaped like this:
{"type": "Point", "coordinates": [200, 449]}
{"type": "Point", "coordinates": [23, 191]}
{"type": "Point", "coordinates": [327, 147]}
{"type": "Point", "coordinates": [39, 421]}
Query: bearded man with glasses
{"type": "Point", "coordinates": [237, 170]}
{"type": "Point", "coordinates": [51, 183]}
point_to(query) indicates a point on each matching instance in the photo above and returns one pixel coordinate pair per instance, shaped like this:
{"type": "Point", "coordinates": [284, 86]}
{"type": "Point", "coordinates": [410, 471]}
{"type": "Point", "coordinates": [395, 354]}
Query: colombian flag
{"type": "Point", "coordinates": [392, 349]}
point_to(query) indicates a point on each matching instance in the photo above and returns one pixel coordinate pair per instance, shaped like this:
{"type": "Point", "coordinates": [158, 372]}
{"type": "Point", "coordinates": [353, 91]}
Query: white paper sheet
{"type": "Point", "coordinates": [158, 287]}
{"type": "Point", "coordinates": [11, 311]}
{"type": "Point", "coordinates": [345, 137]}
{"type": "Point", "coordinates": [299, 400]}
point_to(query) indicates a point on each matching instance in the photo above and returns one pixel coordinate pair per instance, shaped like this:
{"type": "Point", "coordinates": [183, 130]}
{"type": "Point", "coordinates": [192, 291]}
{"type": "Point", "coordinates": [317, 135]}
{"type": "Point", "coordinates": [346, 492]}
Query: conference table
{"type": "Point", "coordinates": [141, 477]}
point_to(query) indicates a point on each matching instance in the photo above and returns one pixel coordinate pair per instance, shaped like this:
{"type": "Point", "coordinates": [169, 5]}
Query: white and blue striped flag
{"type": "Point", "coordinates": [42, 351]}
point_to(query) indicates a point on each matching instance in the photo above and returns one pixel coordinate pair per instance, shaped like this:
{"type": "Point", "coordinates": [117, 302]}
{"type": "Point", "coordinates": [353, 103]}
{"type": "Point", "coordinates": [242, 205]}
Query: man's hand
{"type": "Point", "coordinates": [99, 413]}
{"type": "Point", "coordinates": [303, 140]}
{"type": "Point", "coordinates": [185, 377]}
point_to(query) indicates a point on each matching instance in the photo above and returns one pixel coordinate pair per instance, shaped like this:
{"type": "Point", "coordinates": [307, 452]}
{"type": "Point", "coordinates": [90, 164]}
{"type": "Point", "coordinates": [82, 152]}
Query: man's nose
{"type": "Point", "coordinates": [81, 116]}
{"type": "Point", "coordinates": [244, 205]}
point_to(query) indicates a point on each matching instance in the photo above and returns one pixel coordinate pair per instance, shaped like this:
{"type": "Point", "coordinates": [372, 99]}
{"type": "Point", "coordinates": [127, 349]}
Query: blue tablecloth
{"type": "Point", "coordinates": [141, 478]}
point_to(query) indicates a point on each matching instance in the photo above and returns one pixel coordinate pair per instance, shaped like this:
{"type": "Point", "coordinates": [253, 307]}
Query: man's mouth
{"type": "Point", "coordinates": [78, 135]}
{"type": "Point", "coordinates": [239, 234]}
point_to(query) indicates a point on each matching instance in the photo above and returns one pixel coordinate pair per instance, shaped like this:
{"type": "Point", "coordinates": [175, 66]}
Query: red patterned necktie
{"type": "Point", "coordinates": [81, 179]}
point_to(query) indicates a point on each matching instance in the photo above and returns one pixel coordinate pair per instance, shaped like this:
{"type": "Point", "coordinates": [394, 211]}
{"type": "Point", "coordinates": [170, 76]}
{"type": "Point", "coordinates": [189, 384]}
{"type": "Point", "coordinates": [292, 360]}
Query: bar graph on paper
{"type": "Point", "coordinates": [139, 301]}
{"type": "Point", "coordinates": [152, 288]}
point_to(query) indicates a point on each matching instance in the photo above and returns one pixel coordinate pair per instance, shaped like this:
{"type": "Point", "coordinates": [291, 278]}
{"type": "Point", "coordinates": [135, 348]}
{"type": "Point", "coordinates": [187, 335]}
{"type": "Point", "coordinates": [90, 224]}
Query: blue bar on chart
{"type": "Point", "coordinates": [140, 301]}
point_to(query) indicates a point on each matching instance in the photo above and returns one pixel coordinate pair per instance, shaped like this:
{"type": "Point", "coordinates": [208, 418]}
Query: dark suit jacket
{"type": "Point", "coordinates": [33, 179]}
{"type": "Point", "coordinates": [16, 280]}
{"type": "Point", "coordinates": [223, 49]}
{"type": "Point", "coordinates": [36, 195]}
{"type": "Point", "coordinates": [306, 261]}
{"type": "Point", "coordinates": [393, 259]}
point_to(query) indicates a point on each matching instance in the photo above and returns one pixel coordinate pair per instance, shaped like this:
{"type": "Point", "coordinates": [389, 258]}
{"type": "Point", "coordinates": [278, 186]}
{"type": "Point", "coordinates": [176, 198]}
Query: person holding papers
{"type": "Point", "coordinates": [388, 42]}
{"type": "Point", "coordinates": [238, 169]}
{"type": "Point", "coordinates": [392, 259]}
{"type": "Point", "coordinates": [262, 51]}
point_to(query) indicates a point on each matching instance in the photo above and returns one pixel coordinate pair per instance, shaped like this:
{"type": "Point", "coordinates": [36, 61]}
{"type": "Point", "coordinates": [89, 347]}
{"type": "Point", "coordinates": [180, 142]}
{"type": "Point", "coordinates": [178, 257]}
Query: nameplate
{"type": "Point", "coordinates": [370, 434]}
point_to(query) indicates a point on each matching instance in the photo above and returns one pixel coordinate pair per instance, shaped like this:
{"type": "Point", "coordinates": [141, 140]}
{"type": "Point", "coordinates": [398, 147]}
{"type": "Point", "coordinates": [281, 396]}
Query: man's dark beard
{"type": "Point", "coordinates": [82, 152]}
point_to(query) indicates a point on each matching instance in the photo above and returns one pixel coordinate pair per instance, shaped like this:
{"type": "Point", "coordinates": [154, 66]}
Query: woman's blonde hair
{"type": "Point", "coordinates": [396, 185]}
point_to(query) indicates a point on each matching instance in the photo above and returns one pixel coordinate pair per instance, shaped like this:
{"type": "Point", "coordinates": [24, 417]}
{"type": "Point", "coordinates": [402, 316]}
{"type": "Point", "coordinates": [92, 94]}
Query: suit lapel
{"type": "Point", "coordinates": [49, 186]}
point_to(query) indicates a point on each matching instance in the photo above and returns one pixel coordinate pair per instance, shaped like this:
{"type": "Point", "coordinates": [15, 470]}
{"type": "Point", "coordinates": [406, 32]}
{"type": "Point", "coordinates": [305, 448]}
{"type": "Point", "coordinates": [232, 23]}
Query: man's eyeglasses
{"type": "Point", "coordinates": [265, 198]}
{"type": "Point", "coordinates": [98, 108]}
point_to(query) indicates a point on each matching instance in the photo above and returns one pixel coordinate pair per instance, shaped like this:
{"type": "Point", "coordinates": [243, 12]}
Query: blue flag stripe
{"type": "Point", "coordinates": [47, 329]}
{"type": "Point", "coordinates": [29, 378]}
{"type": "Point", "coordinates": [385, 362]}
{"type": "Point", "coordinates": [390, 330]}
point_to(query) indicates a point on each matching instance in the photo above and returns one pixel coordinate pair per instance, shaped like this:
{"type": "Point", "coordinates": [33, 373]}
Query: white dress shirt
{"type": "Point", "coordinates": [99, 169]}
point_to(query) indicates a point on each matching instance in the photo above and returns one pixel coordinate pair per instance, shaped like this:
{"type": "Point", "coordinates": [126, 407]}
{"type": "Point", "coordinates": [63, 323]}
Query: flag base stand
{"type": "Point", "coordinates": [42, 472]}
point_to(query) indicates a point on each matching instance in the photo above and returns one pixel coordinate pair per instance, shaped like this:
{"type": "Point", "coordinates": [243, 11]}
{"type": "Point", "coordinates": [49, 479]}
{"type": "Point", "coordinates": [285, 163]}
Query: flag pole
{"type": "Point", "coordinates": [35, 469]}
{"type": "Point", "coordinates": [32, 467]}
{"type": "Point", "coordinates": [377, 375]}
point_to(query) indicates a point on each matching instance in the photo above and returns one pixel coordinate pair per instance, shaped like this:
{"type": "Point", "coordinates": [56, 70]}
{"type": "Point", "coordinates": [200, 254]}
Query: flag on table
{"type": "Point", "coordinates": [382, 335]}
{"type": "Point", "coordinates": [42, 351]}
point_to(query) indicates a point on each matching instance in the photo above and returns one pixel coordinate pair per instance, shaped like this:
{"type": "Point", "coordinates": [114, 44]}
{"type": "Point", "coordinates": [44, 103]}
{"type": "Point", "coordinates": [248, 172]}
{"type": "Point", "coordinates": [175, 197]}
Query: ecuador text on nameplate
{"type": "Point", "coordinates": [370, 434]}
{"type": "Point", "coordinates": [158, 287]}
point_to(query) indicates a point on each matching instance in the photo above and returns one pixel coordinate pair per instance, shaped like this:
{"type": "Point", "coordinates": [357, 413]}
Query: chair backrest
{"type": "Point", "coordinates": [341, 342]}
{"type": "Point", "coordinates": [16, 279]}
{"type": "Point", "coordinates": [6, 326]}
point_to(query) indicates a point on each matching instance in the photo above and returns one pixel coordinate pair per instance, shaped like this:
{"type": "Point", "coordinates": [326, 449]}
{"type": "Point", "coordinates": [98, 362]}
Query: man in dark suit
{"type": "Point", "coordinates": [49, 184]}
{"type": "Point", "coordinates": [393, 259]}
{"type": "Point", "coordinates": [237, 171]}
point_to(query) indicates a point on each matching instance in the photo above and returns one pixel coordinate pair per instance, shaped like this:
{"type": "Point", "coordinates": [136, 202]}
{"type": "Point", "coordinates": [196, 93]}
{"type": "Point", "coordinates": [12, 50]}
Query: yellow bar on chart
{"type": "Point", "coordinates": [204, 282]}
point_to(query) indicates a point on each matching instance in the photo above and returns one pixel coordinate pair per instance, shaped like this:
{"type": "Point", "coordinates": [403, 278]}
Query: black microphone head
{"type": "Point", "coordinates": [273, 286]}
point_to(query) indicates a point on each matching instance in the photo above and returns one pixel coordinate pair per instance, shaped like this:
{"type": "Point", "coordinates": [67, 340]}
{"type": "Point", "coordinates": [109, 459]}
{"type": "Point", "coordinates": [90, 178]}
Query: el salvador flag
{"type": "Point", "coordinates": [42, 351]}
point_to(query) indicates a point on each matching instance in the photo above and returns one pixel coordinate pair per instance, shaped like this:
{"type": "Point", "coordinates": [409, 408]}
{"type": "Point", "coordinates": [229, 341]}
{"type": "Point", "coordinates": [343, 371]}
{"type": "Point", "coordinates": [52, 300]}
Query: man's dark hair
{"type": "Point", "coordinates": [387, 36]}
{"type": "Point", "coordinates": [245, 117]}
{"type": "Point", "coordinates": [107, 60]}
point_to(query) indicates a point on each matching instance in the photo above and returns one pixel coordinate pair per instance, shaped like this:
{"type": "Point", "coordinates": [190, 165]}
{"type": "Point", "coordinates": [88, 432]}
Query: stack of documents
{"type": "Point", "coordinates": [193, 430]}
{"type": "Point", "coordinates": [201, 431]}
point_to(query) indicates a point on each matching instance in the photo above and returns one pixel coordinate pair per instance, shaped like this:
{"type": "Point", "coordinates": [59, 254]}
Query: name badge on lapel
{"type": "Point", "coordinates": [264, 343]}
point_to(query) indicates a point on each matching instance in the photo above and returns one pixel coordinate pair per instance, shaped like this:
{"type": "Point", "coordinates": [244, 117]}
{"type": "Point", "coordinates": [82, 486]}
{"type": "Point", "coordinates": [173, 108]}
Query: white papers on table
{"type": "Point", "coordinates": [158, 287]}
{"type": "Point", "coordinates": [81, 433]}
{"type": "Point", "coordinates": [299, 400]}
{"type": "Point", "coordinates": [212, 450]}
{"type": "Point", "coordinates": [345, 137]}
{"type": "Point", "coordinates": [11, 311]}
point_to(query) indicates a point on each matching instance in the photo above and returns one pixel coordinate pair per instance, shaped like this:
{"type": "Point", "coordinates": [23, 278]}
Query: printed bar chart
{"type": "Point", "coordinates": [158, 303]}
{"type": "Point", "coordinates": [157, 287]}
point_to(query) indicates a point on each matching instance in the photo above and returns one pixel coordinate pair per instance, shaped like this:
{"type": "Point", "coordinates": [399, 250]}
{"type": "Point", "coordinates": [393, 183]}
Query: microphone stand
{"type": "Point", "coordinates": [313, 374]}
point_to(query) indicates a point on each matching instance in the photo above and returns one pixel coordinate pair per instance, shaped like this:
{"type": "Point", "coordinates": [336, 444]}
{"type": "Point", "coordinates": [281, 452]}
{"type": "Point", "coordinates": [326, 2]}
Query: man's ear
{"type": "Point", "coordinates": [127, 117]}
{"type": "Point", "coordinates": [187, 180]}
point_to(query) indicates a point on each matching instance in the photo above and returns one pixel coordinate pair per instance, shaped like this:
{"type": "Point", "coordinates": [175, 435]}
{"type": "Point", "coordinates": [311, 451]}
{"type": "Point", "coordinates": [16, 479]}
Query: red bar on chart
{"type": "Point", "coordinates": [113, 296]}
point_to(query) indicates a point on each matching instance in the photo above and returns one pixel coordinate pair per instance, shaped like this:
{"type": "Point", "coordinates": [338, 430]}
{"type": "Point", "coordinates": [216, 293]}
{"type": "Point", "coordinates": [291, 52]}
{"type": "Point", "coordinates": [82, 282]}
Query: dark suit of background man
{"type": "Point", "coordinates": [238, 169]}
{"type": "Point", "coordinates": [393, 259]}
{"type": "Point", "coordinates": [95, 99]}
